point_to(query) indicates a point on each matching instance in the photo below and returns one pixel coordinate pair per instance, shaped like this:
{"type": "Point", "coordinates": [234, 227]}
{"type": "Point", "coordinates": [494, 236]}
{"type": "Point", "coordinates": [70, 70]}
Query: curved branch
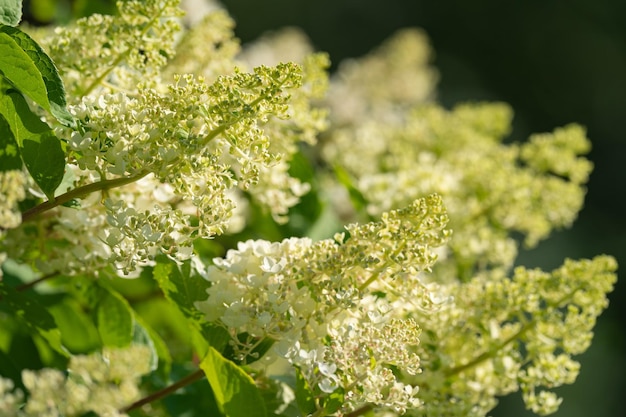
{"type": "Point", "coordinates": [80, 192]}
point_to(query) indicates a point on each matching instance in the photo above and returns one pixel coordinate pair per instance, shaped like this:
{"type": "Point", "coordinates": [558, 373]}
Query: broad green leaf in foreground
{"type": "Point", "coordinates": [41, 150]}
{"type": "Point", "coordinates": [54, 89]}
{"type": "Point", "coordinates": [234, 390]}
{"type": "Point", "coordinates": [21, 71]}
{"type": "Point", "coordinates": [10, 12]}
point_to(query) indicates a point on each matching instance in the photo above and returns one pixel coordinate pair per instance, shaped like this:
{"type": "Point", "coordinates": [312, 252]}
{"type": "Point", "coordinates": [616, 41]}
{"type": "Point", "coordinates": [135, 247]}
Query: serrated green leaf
{"type": "Point", "coordinates": [10, 158]}
{"type": "Point", "coordinates": [234, 390]}
{"type": "Point", "coordinates": [21, 71]}
{"type": "Point", "coordinates": [183, 287]}
{"type": "Point", "coordinates": [10, 12]}
{"type": "Point", "coordinates": [114, 319]}
{"type": "Point", "coordinates": [35, 316]}
{"type": "Point", "coordinates": [55, 90]}
{"type": "Point", "coordinates": [40, 150]}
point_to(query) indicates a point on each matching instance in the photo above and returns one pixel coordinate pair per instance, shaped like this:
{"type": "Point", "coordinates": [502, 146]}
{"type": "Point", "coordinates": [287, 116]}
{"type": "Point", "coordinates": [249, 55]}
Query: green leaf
{"type": "Point", "coordinates": [143, 334]}
{"type": "Point", "coordinates": [21, 71]}
{"type": "Point", "coordinates": [193, 400]}
{"type": "Point", "coordinates": [114, 319]}
{"type": "Point", "coordinates": [234, 390]}
{"type": "Point", "coordinates": [10, 158]}
{"type": "Point", "coordinates": [356, 197]}
{"type": "Point", "coordinates": [41, 151]}
{"type": "Point", "coordinates": [78, 333]}
{"type": "Point", "coordinates": [279, 398]}
{"type": "Point", "coordinates": [182, 286]}
{"type": "Point", "coordinates": [55, 90]}
{"type": "Point", "coordinates": [10, 12]}
{"type": "Point", "coordinates": [35, 316]}
{"type": "Point", "coordinates": [304, 395]}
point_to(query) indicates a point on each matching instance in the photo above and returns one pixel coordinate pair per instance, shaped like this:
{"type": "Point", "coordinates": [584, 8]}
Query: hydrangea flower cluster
{"type": "Point", "coordinates": [100, 383]}
{"type": "Point", "coordinates": [174, 137]}
{"type": "Point", "coordinates": [301, 295]}
{"type": "Point", "coordinates": [194, 147]}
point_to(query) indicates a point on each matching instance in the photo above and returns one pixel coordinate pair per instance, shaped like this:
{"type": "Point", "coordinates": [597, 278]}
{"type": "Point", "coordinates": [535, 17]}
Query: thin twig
{"type": "Point", "coordinates": [199, 374]}
{"type": "Point", "coordinates": [80, 192]}
{"type": "Point", "coordinates": [27, 285]}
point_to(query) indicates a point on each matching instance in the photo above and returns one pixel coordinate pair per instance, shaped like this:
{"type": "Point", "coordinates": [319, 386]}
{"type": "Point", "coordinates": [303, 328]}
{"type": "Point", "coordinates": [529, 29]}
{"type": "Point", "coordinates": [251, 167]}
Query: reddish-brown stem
{"type": "Point", "coordinates": [199, 374]}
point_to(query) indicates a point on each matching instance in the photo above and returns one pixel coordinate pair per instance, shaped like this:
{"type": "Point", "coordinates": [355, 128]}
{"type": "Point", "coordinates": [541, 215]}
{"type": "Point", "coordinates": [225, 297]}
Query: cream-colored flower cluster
{"type": "Point", "coordinates": [101, 383]}
{"type": "Point", "coordinates": [317, 301]}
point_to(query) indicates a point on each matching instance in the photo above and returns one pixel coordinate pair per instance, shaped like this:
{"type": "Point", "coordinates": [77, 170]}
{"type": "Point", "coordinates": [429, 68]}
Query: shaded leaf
{"type": "Point", "coordinates": [182, 286]}
{"type": "Point", "coordinates": [78, 332]}
{"type": "Point", "coordinates": [304, 395]}
{"type": "Point", "coordinates": [10, 158]}
{"type": "Point", "coordinates": [40, 149]}
{"type": "Point", "coordinates": [34, 315]}
{"type": "Point", "coordinates": [143, 334]}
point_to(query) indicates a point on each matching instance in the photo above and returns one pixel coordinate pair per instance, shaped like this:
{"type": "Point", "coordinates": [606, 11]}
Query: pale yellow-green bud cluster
{"type": "Point", "coordinates": [507, 334]}
{"type": "Point", "coordinates": [103, 53]}
{"type": "Point", "coordinates": [491, 189]}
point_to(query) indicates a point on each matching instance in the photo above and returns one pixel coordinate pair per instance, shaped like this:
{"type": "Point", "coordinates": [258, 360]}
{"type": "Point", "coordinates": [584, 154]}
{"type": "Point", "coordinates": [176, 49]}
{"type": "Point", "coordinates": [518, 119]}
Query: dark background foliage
{"type": "Point", "coordinates": [554, 61]}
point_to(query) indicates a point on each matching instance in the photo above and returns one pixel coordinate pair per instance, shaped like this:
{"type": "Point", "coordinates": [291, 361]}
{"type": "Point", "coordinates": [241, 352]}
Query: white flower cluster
{"type": "Point", "coordinates": [100, 383]}
{"type": "Point", "coordinates": [357, 361]}
{"type": "Point", "coordinates": [491, 189]}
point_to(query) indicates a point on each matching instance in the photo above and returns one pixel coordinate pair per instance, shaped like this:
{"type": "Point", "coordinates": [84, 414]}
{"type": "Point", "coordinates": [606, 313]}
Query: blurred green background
{"type": "Point", "coordinates": [554, 61]}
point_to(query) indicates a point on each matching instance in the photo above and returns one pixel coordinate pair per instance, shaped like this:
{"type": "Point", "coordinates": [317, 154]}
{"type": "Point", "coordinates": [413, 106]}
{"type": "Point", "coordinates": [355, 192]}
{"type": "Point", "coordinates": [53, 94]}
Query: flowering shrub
{"type": "Point", "coordinates": [172, 239]}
